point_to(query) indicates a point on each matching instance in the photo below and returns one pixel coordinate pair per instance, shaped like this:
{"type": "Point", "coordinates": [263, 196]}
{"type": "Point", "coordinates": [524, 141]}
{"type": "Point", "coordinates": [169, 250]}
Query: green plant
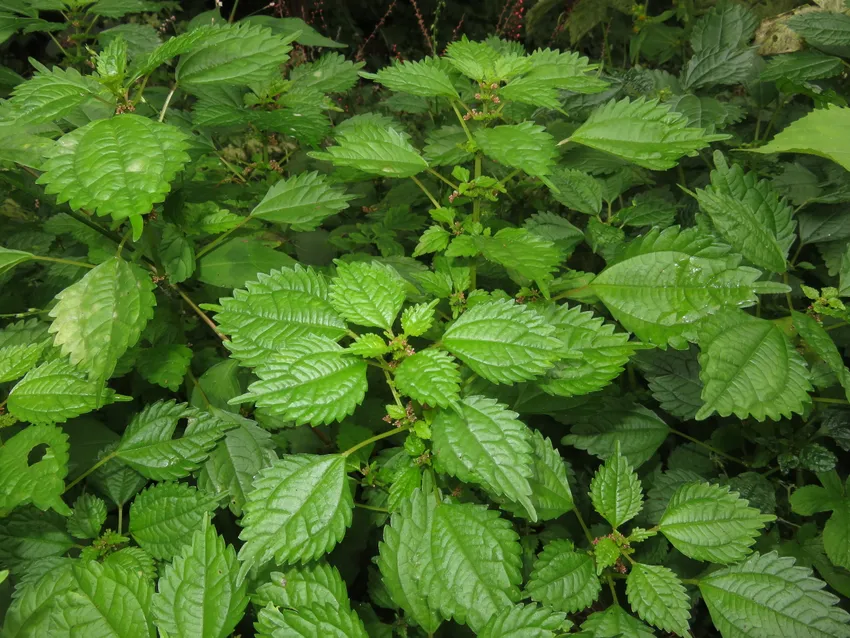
{"type": "Point", "coordinates": [353, 374]}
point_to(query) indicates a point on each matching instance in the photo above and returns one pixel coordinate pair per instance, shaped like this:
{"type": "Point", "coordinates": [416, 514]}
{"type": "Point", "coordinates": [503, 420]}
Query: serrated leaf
{"type": "Point", "coordinates": [503, 342]}
{"type": "Point", "coordinates": [749, 368]}
{"type": "Point", "coordinates": [749, 214]}
{"type": "Point", "coordinates": [197, 595]}
{"type": "Point", "coordinates": [313, 381]}
{"type": "Point", "coordinates": [820, 133]}
{"type": "Point", "coordinates": [148, 447]}
{"type": "Point", "coordinates": [525, 146]}
{"type": "Point", "coordinates": [555, 229]}
{"type": "Point", "coordinates": [719, 65]}
{"type": "Point", "coordinates": [319, 620]}
{"type": "Point", "coordinates": [644, 132]}
{"type": "Point", "coordinates": [303, 201]}
{"type": "Point", "coordinates": [673, 378]}
{"type": "Point", "coordinates": [594, 354]}
{"type": "Point", "coordinates": [565, 70]}
{"type": "Point", "coordinates": [476, 556]}
{"type": "Point", "coordinates": [177, 254]}
{"type": "Point", "coordinates": [826, 28]}
{"type": "Point", "coordinates": [164, 516]}
{"type": "Point", "coordinates": [173, 47]}
{"type": "Point", "coordinates": [298, 510]}
{"type": "Point", "coordinates": [16, 360]}
{"type": "Point", "coordinates": [102, 315]}
{"type": "Point", "coordinates": [115, 480]}
{"type": "Point", "coordinates": [616, 490]}
{"type": "Point", "coordinates": [165, 365]}
{"type": "Point", "coordinates": [638, 431]}
{"type": "Point", "coordinates": [614, 622]}
{"type": "Point", "coordinates": [299, 587]}
{"type": "Point", "coordinates": [658, 597]}
{"type": "Point", "coordinates": [476, 60]}
{"type": "Point", "coordinates": [120, 166]}
{"type": "Point", "coordinates": [369, 345]}
{"type": "Point", "coordinates": [836, 535]}
{"type": "Point", "coordinates": [430, 376]}
{"type": "Point", "coordinates": [550, 491]}
{"type": "Point", "coordinates": [424, 78]}
{"type": "Point", "coordinates": [484, 443]}
{"type": "Point", "coordinates": [785, 599]}
{"type": "Point", "coordinates": [416, 320]}
{"type": "Point", "coordinates": [30, 612]}
{"type": "Point", "coordinates": [577, 191]}
{"type": "Point", "coordinates": [563, 578]}
{"type": "Point", "coordinates": [532, 91]}
{"type": "Point", "coordinates": [49, 95]}
{"type": "Point", "coordinates": [56, 391]}
{"type": "Point", "coordinates": [88, 517]}
{"type": "Point", "coordinates": [819, 340]}
{"type": "Point", "coordinates": [434, 239]}
{"type": "Point", "coordinates": [41, 482]}
{"type": "Point", "coordinates": [801, 66]}
{"type": "Point", "coordinates": [524, 253]}
{"type": "Point", "coordinates": [708, 522]}
{"type": "Point", "coordinates": [376, 150]}
{"type": "Point", "coordinates": [279, 306]}
{"type": "Point", "coordinates": [528, 621]}
{"type": "Point", "coordinates": [367, 294]}
{"type": "Point", "coordinates": [27, 535]}
{"type": "Point", "coordinates": [404, 559]}
{"type": "Point", "coordinates": [446, 146]}
{"type": "Point", "coordinates": [331, 73]}
{"type": "Point", "coordinates": [10, 258]}
{"type": "Point", "coordinates": [667, 281]}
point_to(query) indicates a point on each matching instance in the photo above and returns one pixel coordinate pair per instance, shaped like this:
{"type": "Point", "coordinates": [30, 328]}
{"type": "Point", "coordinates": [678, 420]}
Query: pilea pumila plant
{"type": "Point", "coordinates": [498, 342]}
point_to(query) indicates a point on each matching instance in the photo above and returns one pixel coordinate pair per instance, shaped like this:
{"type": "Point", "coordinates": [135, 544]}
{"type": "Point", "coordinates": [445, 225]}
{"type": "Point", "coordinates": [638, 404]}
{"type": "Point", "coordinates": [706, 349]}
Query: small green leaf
{"type": "Point", "coordinates": [430, 377]}
{"type": "Point", "coordinates": [88, 517]}
{"type": "Point", "coordinates": [368, 294]}
{"type": "Point", "coordinates": [41, 482]}
{"type": "Point", "coordinates": [657, 596]}
{"type": "Point", "coordinates": [434, 239]}
{"type": "Point", "coordinates": [303, 201]}
{"type": "Point", "coordinates": [297, 587]}
{"type": "Point", "coordinates": [417, 320]}
{"type": "Point", "coordinates": [525, 146]}
{"type": "Point", "coordinates": [616, 490]}
{"type": "Point", "coordinates": [376, 150]}
{"type": "Point", "coordinates": [318, 620]}
{"type": "Point", "coordinates": [563, 578]}
{"type": "Point", "coordinates": [424, 78]}
{"type": "Point", "coordinates": [614, 622]}
{"type": "Point", "coordinates": [165, 365]}
{"type": "Point", "coordinates": [369, 345]}
{"type": "Point", "coordinates": [577, 191]}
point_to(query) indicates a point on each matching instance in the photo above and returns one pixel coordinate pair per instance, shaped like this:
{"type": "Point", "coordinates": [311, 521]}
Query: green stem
{"type": "Point", "coordinates": [836, 326]}
{"type": "Point", "coordinates": [476, 217]}
{"type": "Point", "coordinates": [797, 252]}
{"type": "Point", "coordinates": [203, 316]}
{"type": "Point", "coordinates": [510, 176]}
{"type": "Point", "coordinates": [613, 589]}
{"type": "Point", "coordinates": [233, 170]}
{"type": "Point", "coordinates": [426, 191]}
{"type": "Point", "coordinates": [450, 183]}
{"type": "Point", "coordinates": [167, 102]}
{"type": "Point", "coordinates": [69, 262]}
{"type": "Point", "coordinates": [788, 299]}
{"type": "Point", "coordinates": [709, 447]}
{"type": "Point", "coordinates": [463, 123]}
{"type": "Point", "coordinates": [830, 401]}
{"type": "Point", "coordinates": [391, 383]}
{"type": "Point", "coordinates": [215, 242]}
{"type": "Point", "coordinates": [583, 524]}
{"type": "Point", "coordinates": [233, 11]}
{"type": "Point", "coordinates": [120, 517]}
{"type": "Point", "coordinates": [89, 471]}
{"type": "Point", "coordinates": [375, 438]}
{"type": "Point", "coordinates": [372, 508]}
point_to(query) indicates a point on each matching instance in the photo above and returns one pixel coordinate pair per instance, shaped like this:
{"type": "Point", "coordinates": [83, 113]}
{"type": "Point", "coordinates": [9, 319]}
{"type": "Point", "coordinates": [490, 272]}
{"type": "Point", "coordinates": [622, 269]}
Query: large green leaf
{"type": "Point", "coordinates": [331, 73]}
{"type": "Point", "coordinates": [657, 596]}
{"type": "Point", "coordinates": [173, 47]}
{"type": "Point", "coordinates": [424, 78]}
{"type": "Point", "coordinates": [50, 95]}
{"type": "Point", "coordinates": [374, 149]}
{"type": "Point", "coordinates": [484, 443]}
{"type": "Point", "coordinates": [563, 578]}
{"type": "Point", "coordinates": [367, 294]}
{"type": "Point", "coordinates": [41, 482]}
{"type": "Point", "coordinates": [298, 510]}
{"type": "Point", "coordinates": [644, 132]}
{"type": "Point", "coordinates": [801, 66]}
{"type": "Point", "coordinates": [826, 28]}
{"type": "Point", "coordinates": [29, 614]}
{"type": "Point", "coordinates": [749, 368]}
{"type": "Point", "coordinates": [312, 381]}
{"type": "Point", "coordinates": [615, 490]}
{"type": "Point", "coordinates": [303, 201]}
{"type": "Point", "coordinates": [240, 260]}
{"type": "Point", "coordinates": [430, 376]}
{"type": "Point", "coordinates": [102, 315]}
{"type": "Point", "coordinates": [526, 621]}
{"type": "Point", "coordinates": [577, 191]}
{"type": "Point", "coordinates": [525, 146]}
{"type": "Point", "coordinates": [326, 621]}
{"type": "Point", "coordinates": [708, 522]}
{"type": "Point", "coordinates": [503, 341]}
{"type": "Point", "coordinates": [165, 515]}
{"type": "Point", "coordinates": [785, 599]}
{"type": "Point", "coordinates": [120, 166]}
{"type": "Point", "coordinates": [28, 535]}
{"type": "Point", "coordinates": [148, 447]}
{"type": "Point", "coordinates": [197, 595]}
{"type": "Point", "coordinates": [524, 253]}
{"type": "Point", "coordinates": [279, 306]}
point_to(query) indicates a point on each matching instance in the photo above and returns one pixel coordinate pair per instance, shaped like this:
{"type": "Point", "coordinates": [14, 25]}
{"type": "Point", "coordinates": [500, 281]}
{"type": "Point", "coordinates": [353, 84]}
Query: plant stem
{"type": "Point", "coordinates": [375, 438]}
{"type": "Point", "coordinates": [426, 191]}
{"type": "Point", "coordinates": [233, 11]}
{"type": "Point", "coordinates": [167, 102]}
{"type": "Point", "coordinates": [215, 242]}
{"type": "Point", "coordinates": [612, 588]}
{"type": "Point", "coordinates": [450, 183]}
{"type": "Point", "coordinates": [463, 123]}
{"type": "Point", "coordinates": [204, 317]}
{"type": "Point", "coordinates": [583, 524]}
{"type": "Point", "coordinates": [233, 170]}
{"type": "Point", "coordinates": [120, 517]}
{"type": "Point", "coordinates": [372, 508]}
{"type": "Point", "coordinates": [788, 299]}
{"type": "Point", "coordinates": [830, 401]}
{"type": "Point", "coordinates": [710, 448]}
{"type": "Point", "coordinates": [391, 383]}
{"type": "Point", "coordinates": [510, 176]}
{"type": "Point", "coordinates": [69, 262]}
{"type": "Point", "coordinates": [89, 471]}
{"type": "Point", "coordinates": [836, 326]}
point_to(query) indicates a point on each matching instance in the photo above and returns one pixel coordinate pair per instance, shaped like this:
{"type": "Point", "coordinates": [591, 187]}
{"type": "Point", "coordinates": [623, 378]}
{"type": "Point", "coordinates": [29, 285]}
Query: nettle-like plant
{"type": "Point", "coordinates": [327, 375]}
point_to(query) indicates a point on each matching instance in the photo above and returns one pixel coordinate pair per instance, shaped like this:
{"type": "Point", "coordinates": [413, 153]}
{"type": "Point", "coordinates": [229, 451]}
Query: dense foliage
{"type": "Point", "coordinates": [497, 342]}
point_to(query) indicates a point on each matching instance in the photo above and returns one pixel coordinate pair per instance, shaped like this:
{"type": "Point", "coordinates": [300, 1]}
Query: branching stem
{"type": "Point", "coordinates": [375, 438]}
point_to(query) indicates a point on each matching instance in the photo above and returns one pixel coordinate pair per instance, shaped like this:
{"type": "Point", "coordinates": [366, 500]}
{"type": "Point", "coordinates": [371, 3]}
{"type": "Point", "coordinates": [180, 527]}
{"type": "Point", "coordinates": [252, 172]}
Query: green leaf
{"type": "Point", "coordinates": [404, 559]}
{"type": "Point", "coordinates": [565, 70]}
{"type": "Point", "coordinates": [503, 342]}
{"type": "Point", "coordinates": [644, 132]}
{"type": "Point", "coordinates": [475, 60]}
{"type": "Point", "coordinates": [280, 306]}
{"type": "Point", "coordinates": [525, 146]}
{"type": "Point", "coordinates": [550, 491]}
{"type": "Point", "coordinates": [56, 391]}
{"type": "Point", "coordinates": [532, 91]}
{"type": "Point", "coordinates": [708, 522]}
{"type": "Point", "coordinates": [614, 622]}
{"type": "Point", "coordinates": [434, 239]}
{"type": "Point", "coordinates": [120, 166]}
{"type": "Point", "coordinates": [369, 345]}
{"type": "Point", "coordinates": [27, 535]}
{"type": "Point", "coordinates": [295, 28]}
{"type": "Point", "coordinates": [417, 320]}
{"type": "Point", "coordinates": [424, 78]}
{"type": "Point", "coordinates": [785, 599]}
{"type": "Point", "coordinates": [298, 510]}
{"type": "Point", "coordinates": [30, 612]}
{"type": "Point", "coordinates": [165, 365]}
{"type": "Point", "coordinates": [164, 516]}
{"type": "Point", "coordinates": [237, 55]}
{"type": "Point", "coordinates": [313, 381]}
{"type": "Point", "coordinates": [88, 517]}
{"type": "Point", "coordinates": [658, 597]}
{"type": "Point", "coordinates": [299, 587]}
{"type": "Point", "coordinates": [10, 258]}
{"type": "Point", "coordinates": [476, 556]}
{"type": "Point", "coordinates": [102, 315]}
{"type": "Point", "coordinates": [563, 578]}
{"type": "Point", "coordinates": [819, 340]}
{"type": "Point", "coordinates": [526, 621]}
{"type": "Point", "coordinates": [801, 66]}
{"type": "Point", "coordinates": [594, 354]}
{"type": "Point", "coordinates": [303, 201]}
{"type": "Point", "coordinates": [173, 47]}
{"type": "Point", "coordinates": [49, 95]}
{"type": "Point", "coordinates": [638, 431]}
{"type": "Point", "coordinates": [367, 294]}
{"type": "Point", "coordinates": [719, 66]}
{"type": "Point", "coordinates": [673, 378]}
{"type": "Point", "coordinates": [115, 480]}
{"type": "Point", "coordinates": [667, 281]}
{"type": "Point", "coordinates": [197, 595]}
{"type": "Point", "coordinates": [327, 621]}
{"type": "Point", "coordinates": [376, 150]}
{"type": "Point", "coordinates": [484, 443]}
{"type": "Point", "coordinates": [825, 28]}
{"type": "Point", "coordinates": [820, 133]}
{"type": "Point", "coordinates": [616, 490]}
{"type": "Point", "coordinates": [520, 251]}
{"type": "Point", "coordinates": [749, 368]}
{"type": "Point", "coordinates": [238, 261]}
{"type": "Point", "coordinates": [836, 535]}
{"type": "Point", "coordinates": [177, 254]}
{"type": "Point", "coordinates": [577, 191]}
{"type": "Point", "coordinates": [41, 482]}
{"type": "Point", "coordinates": [430, 377]}
{"type": "Point", "coordinates": [555, 229]}
{"type": "Point", "coordinates": [446, 146]}
{"type": "Point", "coordinates": [148, 448]}
{"type": "Point", "coordinates": [331, 73]}
{"type": "Point", "coordinates": [749, 214]}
